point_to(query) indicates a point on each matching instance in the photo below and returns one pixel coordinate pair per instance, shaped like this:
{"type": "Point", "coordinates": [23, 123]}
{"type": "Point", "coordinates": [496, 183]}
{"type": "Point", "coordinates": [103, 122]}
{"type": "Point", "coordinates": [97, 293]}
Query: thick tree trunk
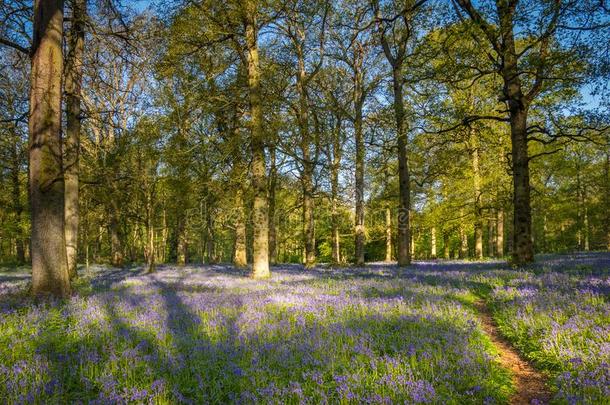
{"type": "Point", "coordinates": [272, 187]}
{"type": "Point", "coordinates": [388, 235]}
{"type": "Point", "coordinates": [73, 80]}
{"type": "Point", "coordinates": [49, 262]}
{"type": "Point", "coordinates": [404, 234]}
{"type": "Point", "coordinates": [260, 210]}
{"type": "Point", "coordinates": [240, 257]}
{"type": "Point", "coordinates": [523, 249]}
{"type": "Point", "coordinates": [476, 178]}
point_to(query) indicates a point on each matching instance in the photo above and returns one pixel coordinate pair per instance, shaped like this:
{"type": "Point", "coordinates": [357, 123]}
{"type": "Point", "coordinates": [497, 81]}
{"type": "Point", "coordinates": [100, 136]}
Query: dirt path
{"type": "Point", "coordinates": [530, 384]}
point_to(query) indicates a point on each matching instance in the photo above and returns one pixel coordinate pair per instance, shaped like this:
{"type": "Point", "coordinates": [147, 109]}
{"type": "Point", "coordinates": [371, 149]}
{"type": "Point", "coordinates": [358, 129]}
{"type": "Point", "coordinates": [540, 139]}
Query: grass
{"type": "Point", "coordinates": [378, 335]}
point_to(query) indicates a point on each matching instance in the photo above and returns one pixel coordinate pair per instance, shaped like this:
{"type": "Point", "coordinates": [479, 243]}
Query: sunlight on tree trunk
{"type": "Point", "coordinates": [272, 197]}
{"type": "Point", "coordinates": [73, 79]}
{"type": "Point", "coordinates": [239, 256]}
{"type": "Point", "coordinates": [49, 262]}
{"type": "Point", "coordinates": [433, 243]}
{"type": "Point", "coordinates": [476, 179]}
{"type": "Point", "coordinates": [463, 237]}
{"type": "Point", "coordinates": [260, 213]}
{"type": "Point", "coordinates": [388, 235]}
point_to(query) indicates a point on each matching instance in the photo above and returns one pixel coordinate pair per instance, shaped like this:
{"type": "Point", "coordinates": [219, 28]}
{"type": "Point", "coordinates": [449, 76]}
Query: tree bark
{"type": "Point", "coordinates": [388, 235]}
{"type": "Point", "coordinates": [73, 81]}
{"type": "Point", "coordinates": [240, 257]}
{"type": "Point", "coordinates": [491, 242]}
{"type": "Point", "coordinates": [17, 204]}
{"type": "Point", "coordinates": [463, 238]}
{"type": "Point", "coordinates": [359, 142]}
{"type": "Point", "coordinates": [260, 210]}
{"type": "Point", "coordinates": [404, 232]}
{"type": "Point", "coordinates": [49, 262]}
{"type": "Point", "coordinates": [309, 236]}
{"type": "Point", "coordinates": [334, 193]}
{"type": "Point", "coordinates": [181, 243]}
{"type": "Point", "coordinates": [272, 188]}
{"type": "Point", "coordinates": [503, 41]}
{"type": "Point", "coordinates": [500, 233]}
{"type": "Point", "coordinates": [523, 249]}
{"type": "Point", "coordinates": [476, 178]}
{"type": "Point", "coordinates": [433, 243]}
{"type": "Point", "coordinates": [116, 248]}
{"type": "Point", "coordinates": [518, 105]}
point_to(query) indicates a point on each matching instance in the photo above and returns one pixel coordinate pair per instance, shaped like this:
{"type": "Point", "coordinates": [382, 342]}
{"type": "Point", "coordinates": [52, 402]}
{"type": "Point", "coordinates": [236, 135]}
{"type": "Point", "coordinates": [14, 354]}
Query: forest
{"type": "Point", "coordinates": [305, 201]}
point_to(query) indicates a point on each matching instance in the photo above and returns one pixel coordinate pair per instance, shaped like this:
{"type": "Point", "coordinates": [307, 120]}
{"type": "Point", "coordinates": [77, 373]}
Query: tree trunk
{"type": "Point", "coordinates": [412, 248]}
{"type": "Point", "coordinates": [116, 250]}
{"type": "Point", "coordinates": [476, 178]}
{"type": "Point", "coordinates": [240, 257]}
{"type": "Point", "coordinates": [388, 234]}
{"type": "Point", "coordinates": [518, 104]}
{"type": "Point", "coordinates": [210, 242]}
{"type": "Point", "coordinates": [272, 187]}
{"type": "Point", "coordinates": [523, 249]}
{"type": "Point", "coordinates": [49, 262]}
{"type": "Point", "coordinates": [446, 245]}
{"type": "Point", "coordinates": [164, 237]}
{"type": "Point", "coordinates": [17, 205]}
{"type": "Point", "coordinates": [586, 227]}
{"type": "Point", "coordinates": [260, 213]}
{"type": "Point", "coordinates": [491, 242]}
{"type": "Point", "coordinates": [308, 168]}
{"type": "Point", "coordinates": [150, 233]}
{"type": "Point", "coordinates": [334, 193]}
{"type": "Point", "coordinates": [73, 80]}
{"type": "Point", "coordinates": [181, 245]}
{"type": "Point", "coordinates": [463, 238]}
{"type": "Point", "coordinates": [433, 243]}
{"type": "Point", "coordinates": [500, 233]}
{"type": "Point", "coordinates": [359, 141]}
{"type": "Point", "coordinates": [404, 234]}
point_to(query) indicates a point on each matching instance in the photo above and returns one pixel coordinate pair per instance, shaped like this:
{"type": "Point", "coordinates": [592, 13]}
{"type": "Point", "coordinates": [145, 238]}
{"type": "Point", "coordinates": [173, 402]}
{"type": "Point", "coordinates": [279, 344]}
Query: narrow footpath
{"type": "Point", "coordinates": [530, 384]}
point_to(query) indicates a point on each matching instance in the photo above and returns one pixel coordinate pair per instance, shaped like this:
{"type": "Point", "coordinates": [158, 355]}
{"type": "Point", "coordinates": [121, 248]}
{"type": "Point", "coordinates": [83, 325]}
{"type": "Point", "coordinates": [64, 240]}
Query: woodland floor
{"type": "Point", "coordinates": [436, 332]}
{"type": "Point", "coordinates": [530, 384]}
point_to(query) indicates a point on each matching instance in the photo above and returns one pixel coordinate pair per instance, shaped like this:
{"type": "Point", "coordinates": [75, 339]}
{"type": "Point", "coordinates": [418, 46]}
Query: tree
{"type": "Point", "coordinates": [260, 209]}
{"type": "Point", "coordinates": [401, 26]}
{"type": "Point", "coordinates": [529, 56]}
{"type": "Point", "coordinates": [49, 262]}
{"type": "Point", "coordinates": [72, 83]}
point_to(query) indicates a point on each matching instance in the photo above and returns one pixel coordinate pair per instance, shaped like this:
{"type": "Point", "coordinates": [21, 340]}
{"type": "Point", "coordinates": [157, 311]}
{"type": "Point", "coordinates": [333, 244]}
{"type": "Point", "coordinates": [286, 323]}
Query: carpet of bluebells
{"type": "Point", "coordinates": [209, 334]}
